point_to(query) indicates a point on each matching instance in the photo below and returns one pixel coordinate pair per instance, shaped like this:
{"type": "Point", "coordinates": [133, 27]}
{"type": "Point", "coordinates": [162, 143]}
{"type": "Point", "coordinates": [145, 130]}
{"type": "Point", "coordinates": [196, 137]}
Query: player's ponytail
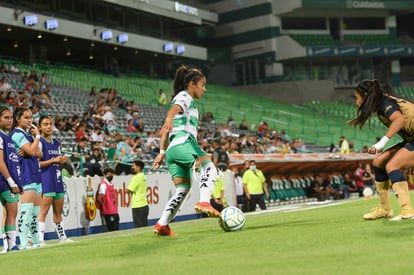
{"type": "Point", "coordinates": [372, 93]}
{"type": "Point", "coordinates": [184, 75]}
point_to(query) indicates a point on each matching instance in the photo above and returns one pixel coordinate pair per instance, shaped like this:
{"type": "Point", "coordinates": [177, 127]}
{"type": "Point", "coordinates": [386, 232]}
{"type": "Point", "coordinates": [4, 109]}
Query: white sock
{"type": "Point", "coordinates": [5, 242]}
{"type": "Point", "coordinates": [207, 181]}
{"type": "Point", "coordinates": [60, 230]}
{"type": "Point", "coordinates": [174, 204]}
{"type": "Point", "coordinates": [11, 238]}
{"type": "Point", "coordinates": [41, 231]}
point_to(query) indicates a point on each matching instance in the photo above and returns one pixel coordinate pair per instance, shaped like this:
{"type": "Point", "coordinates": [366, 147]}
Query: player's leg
{"type": "Point", "coordinates": [57, 206]}
{"type": "Point", "coordinates": [34, 228]}
{"type": "Point", "coordinates": [402, 160]}
{"type": "Point", "coordinates": [45, 203]}
{"type": "Point", "coordinates": [11, 207]}
{"type": "Point", "coordinates": [206, 184]}
{"type": "Point", "coordinates": [25, 217]}
{"type": "Point", "coordinates": [382, 185]}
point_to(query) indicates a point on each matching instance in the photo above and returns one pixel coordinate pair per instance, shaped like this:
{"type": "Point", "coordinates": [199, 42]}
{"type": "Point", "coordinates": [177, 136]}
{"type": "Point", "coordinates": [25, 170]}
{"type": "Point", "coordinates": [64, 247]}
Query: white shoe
{"type": "Point", "coordinates": [66, 240]}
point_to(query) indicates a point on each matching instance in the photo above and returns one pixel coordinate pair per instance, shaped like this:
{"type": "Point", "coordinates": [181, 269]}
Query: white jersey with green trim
{"type": "Point", "coordinates": [185, 124]}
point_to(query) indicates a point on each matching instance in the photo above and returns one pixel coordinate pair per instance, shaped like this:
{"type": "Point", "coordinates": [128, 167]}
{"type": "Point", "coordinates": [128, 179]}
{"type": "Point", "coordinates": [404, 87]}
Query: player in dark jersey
{"type": "Point", "coordinates": [27, 148]}
{"type": "Point", "coordinates": [52, 183]}
{"type": "Point", "coordinates": [398, 116]}
{"type": "Point", "coordinates": [9, 180]}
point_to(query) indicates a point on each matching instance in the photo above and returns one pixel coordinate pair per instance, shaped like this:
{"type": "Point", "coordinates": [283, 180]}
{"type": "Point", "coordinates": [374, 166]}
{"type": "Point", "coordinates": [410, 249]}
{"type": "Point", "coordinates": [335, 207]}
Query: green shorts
{"type": "Point", "coordinates": [181, 158]}
{"type": "Point", "coordinates": [54, 195]}
{"type": "Point", "coordinates": [33, 186]}
{"type": "Point", "coordinates": [8, 197]}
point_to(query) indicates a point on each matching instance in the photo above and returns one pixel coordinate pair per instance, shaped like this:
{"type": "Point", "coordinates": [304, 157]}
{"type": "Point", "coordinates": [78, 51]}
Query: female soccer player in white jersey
{"type": "Point", "coordinates": [9, 179]}
{"type": "Point", "coordinates": [52, 183]}
{"type": "Point", "coordinates": [179, 132]}
{"type": "Point", "coordinates": [28, 152]}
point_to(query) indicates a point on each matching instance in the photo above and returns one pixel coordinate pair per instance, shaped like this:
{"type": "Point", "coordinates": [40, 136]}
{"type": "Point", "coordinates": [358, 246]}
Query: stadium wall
{"type": "Point", "coordinates": [296, 92]}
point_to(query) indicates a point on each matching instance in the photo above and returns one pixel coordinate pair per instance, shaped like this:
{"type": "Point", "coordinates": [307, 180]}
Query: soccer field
{"type": "Point", "coordinates": [333, 239]}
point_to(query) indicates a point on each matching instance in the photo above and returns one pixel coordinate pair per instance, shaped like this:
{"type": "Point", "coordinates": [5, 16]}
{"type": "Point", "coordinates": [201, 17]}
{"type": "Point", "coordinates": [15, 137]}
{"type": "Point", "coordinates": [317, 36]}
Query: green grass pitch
{"type": "Point", "coordinates": [326, 240]}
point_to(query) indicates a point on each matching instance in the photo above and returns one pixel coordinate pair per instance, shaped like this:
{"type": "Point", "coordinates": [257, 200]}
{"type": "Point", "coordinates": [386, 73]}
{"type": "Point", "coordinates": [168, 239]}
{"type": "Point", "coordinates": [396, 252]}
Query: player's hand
{"type": "Point", "coordinates": [15, 190]}
{"type": "Point", "coordinates": [372, 150]}
{"type": "Point", "coordinates": [157, 162]}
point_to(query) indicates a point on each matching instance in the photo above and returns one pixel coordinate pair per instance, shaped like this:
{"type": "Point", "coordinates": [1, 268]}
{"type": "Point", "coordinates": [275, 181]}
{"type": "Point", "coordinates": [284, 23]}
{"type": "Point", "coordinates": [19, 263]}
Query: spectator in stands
{"type": "Point", "coordinates": [351, 146]}
{"type": "Point", "coordinates": [344, 145]}
{"type": "Point", "coordinates": [263, 127]}
{"type": "Point", "coordinates": [14, 69]}
{"type": "Point", "coordinates": [368, 177]}
{"type": "Point", "coordinates": [123, 156]}
{"type": "Point", "coordinates": [388, 166]}
{"type": "Point", "coordinates": [138, 188]}
{"type": "Point", "coordinates": [35, 109]}
{"type": "Point", "coordinates": [220, 157]}
{"type": "Point", "coordinates": [358, 178]}
{"type": "Point", "coordinates": [130, 127]}
{"type": "Point", "coordinates": [320, 188]}
{"type": "Point", "coordinates": [239, 189]}
{"type": "Point", "coordinates": [128, 114]}
{"type": "Point", "coordinates": [225, 131]}
{"type": "Point", "coordinates": [5, 85]}
{"type": "Point", "coordinates": [231, 122]}
{"type": "Point", "coordinates": [97, 137]}
{"type": "Point", "coordinates": [140, 126]}
{"type": "Point", "coordinates": [234, 147]}
{"type": "Point", "coordinates": [138, 147]}
{"type": "Point", "coordinates": [110, 128]}
{"type": "Point", "coordinates": [80, 154]}
{"type": "Point", "coordinates": [25, 77]}
{"type": "Point", "coordinates": [255, 187]}
{"type": "Point", "coordinates": [93, 165]}
{"type": "Point", "coordinates": [110, 153]}
{"type": "Point", "coordinates": [285, 136]}
{"type": "Point", "coordinates": [44, 81]}
{"type": "Point", "coordinates": [45, 98]}
{"type": "Point", "coordinates": [30, 172]}
{"type": "Point", "coordinates": [107, 199]}
{"type": "Point", "coordinates": [208, 117]}
{"type": "Point", "coordinates": [162, 97]}
{"type": "Point", "coordinates": [217, 200]}
{"type": "Point", "coordinates": [4, 68]}
{"type": "Point", "coordinates": [93, 91]}
{"type": "Point", "coordinates": [81, 132]}
{"type": "Point", "coordinates": [108, 115]}
{"type": "Point", "coordinates": [243, 125]}
{"type": "Point", "coordinates": [350, 185]}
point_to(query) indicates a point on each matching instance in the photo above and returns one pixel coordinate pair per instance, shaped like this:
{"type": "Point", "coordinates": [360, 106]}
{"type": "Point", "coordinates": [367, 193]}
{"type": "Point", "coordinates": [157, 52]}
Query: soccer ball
{"type": "Point", "coordinates": [232, 219]}
{"type": "Point", "coordinates": [367, 192]}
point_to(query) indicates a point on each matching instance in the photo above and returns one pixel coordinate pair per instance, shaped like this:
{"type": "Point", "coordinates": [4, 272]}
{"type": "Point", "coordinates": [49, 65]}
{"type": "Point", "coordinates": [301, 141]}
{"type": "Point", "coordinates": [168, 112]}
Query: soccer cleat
{"type": "Point", "coordinates": [162, 230]}
{"type": "Point", "coordinates": [404, 215]}
{"type": "Point", "coordinates": [65, 240]}
{"type": "Point", "coordinates": [206, 208]}
{"type": "Point", "coordinates": [378, 213]}
{"type": "Point", "coordinates": [14, 248]}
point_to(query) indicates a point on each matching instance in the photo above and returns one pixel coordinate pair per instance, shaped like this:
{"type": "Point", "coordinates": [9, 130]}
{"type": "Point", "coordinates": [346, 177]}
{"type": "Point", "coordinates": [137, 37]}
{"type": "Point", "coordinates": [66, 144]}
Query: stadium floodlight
{"type": "Point", "coordinates": [180, 49]}
{"type": "Point", "coordinates": [30, 20]}
{"type": "Point", "coordinates": [122, 38]}
{"type": "Point", "coordinates": [168, 47]}
{"type": "Point", "coordinates": [106, 35]}
{"type": "Point", "coordinates": [51, 24]}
